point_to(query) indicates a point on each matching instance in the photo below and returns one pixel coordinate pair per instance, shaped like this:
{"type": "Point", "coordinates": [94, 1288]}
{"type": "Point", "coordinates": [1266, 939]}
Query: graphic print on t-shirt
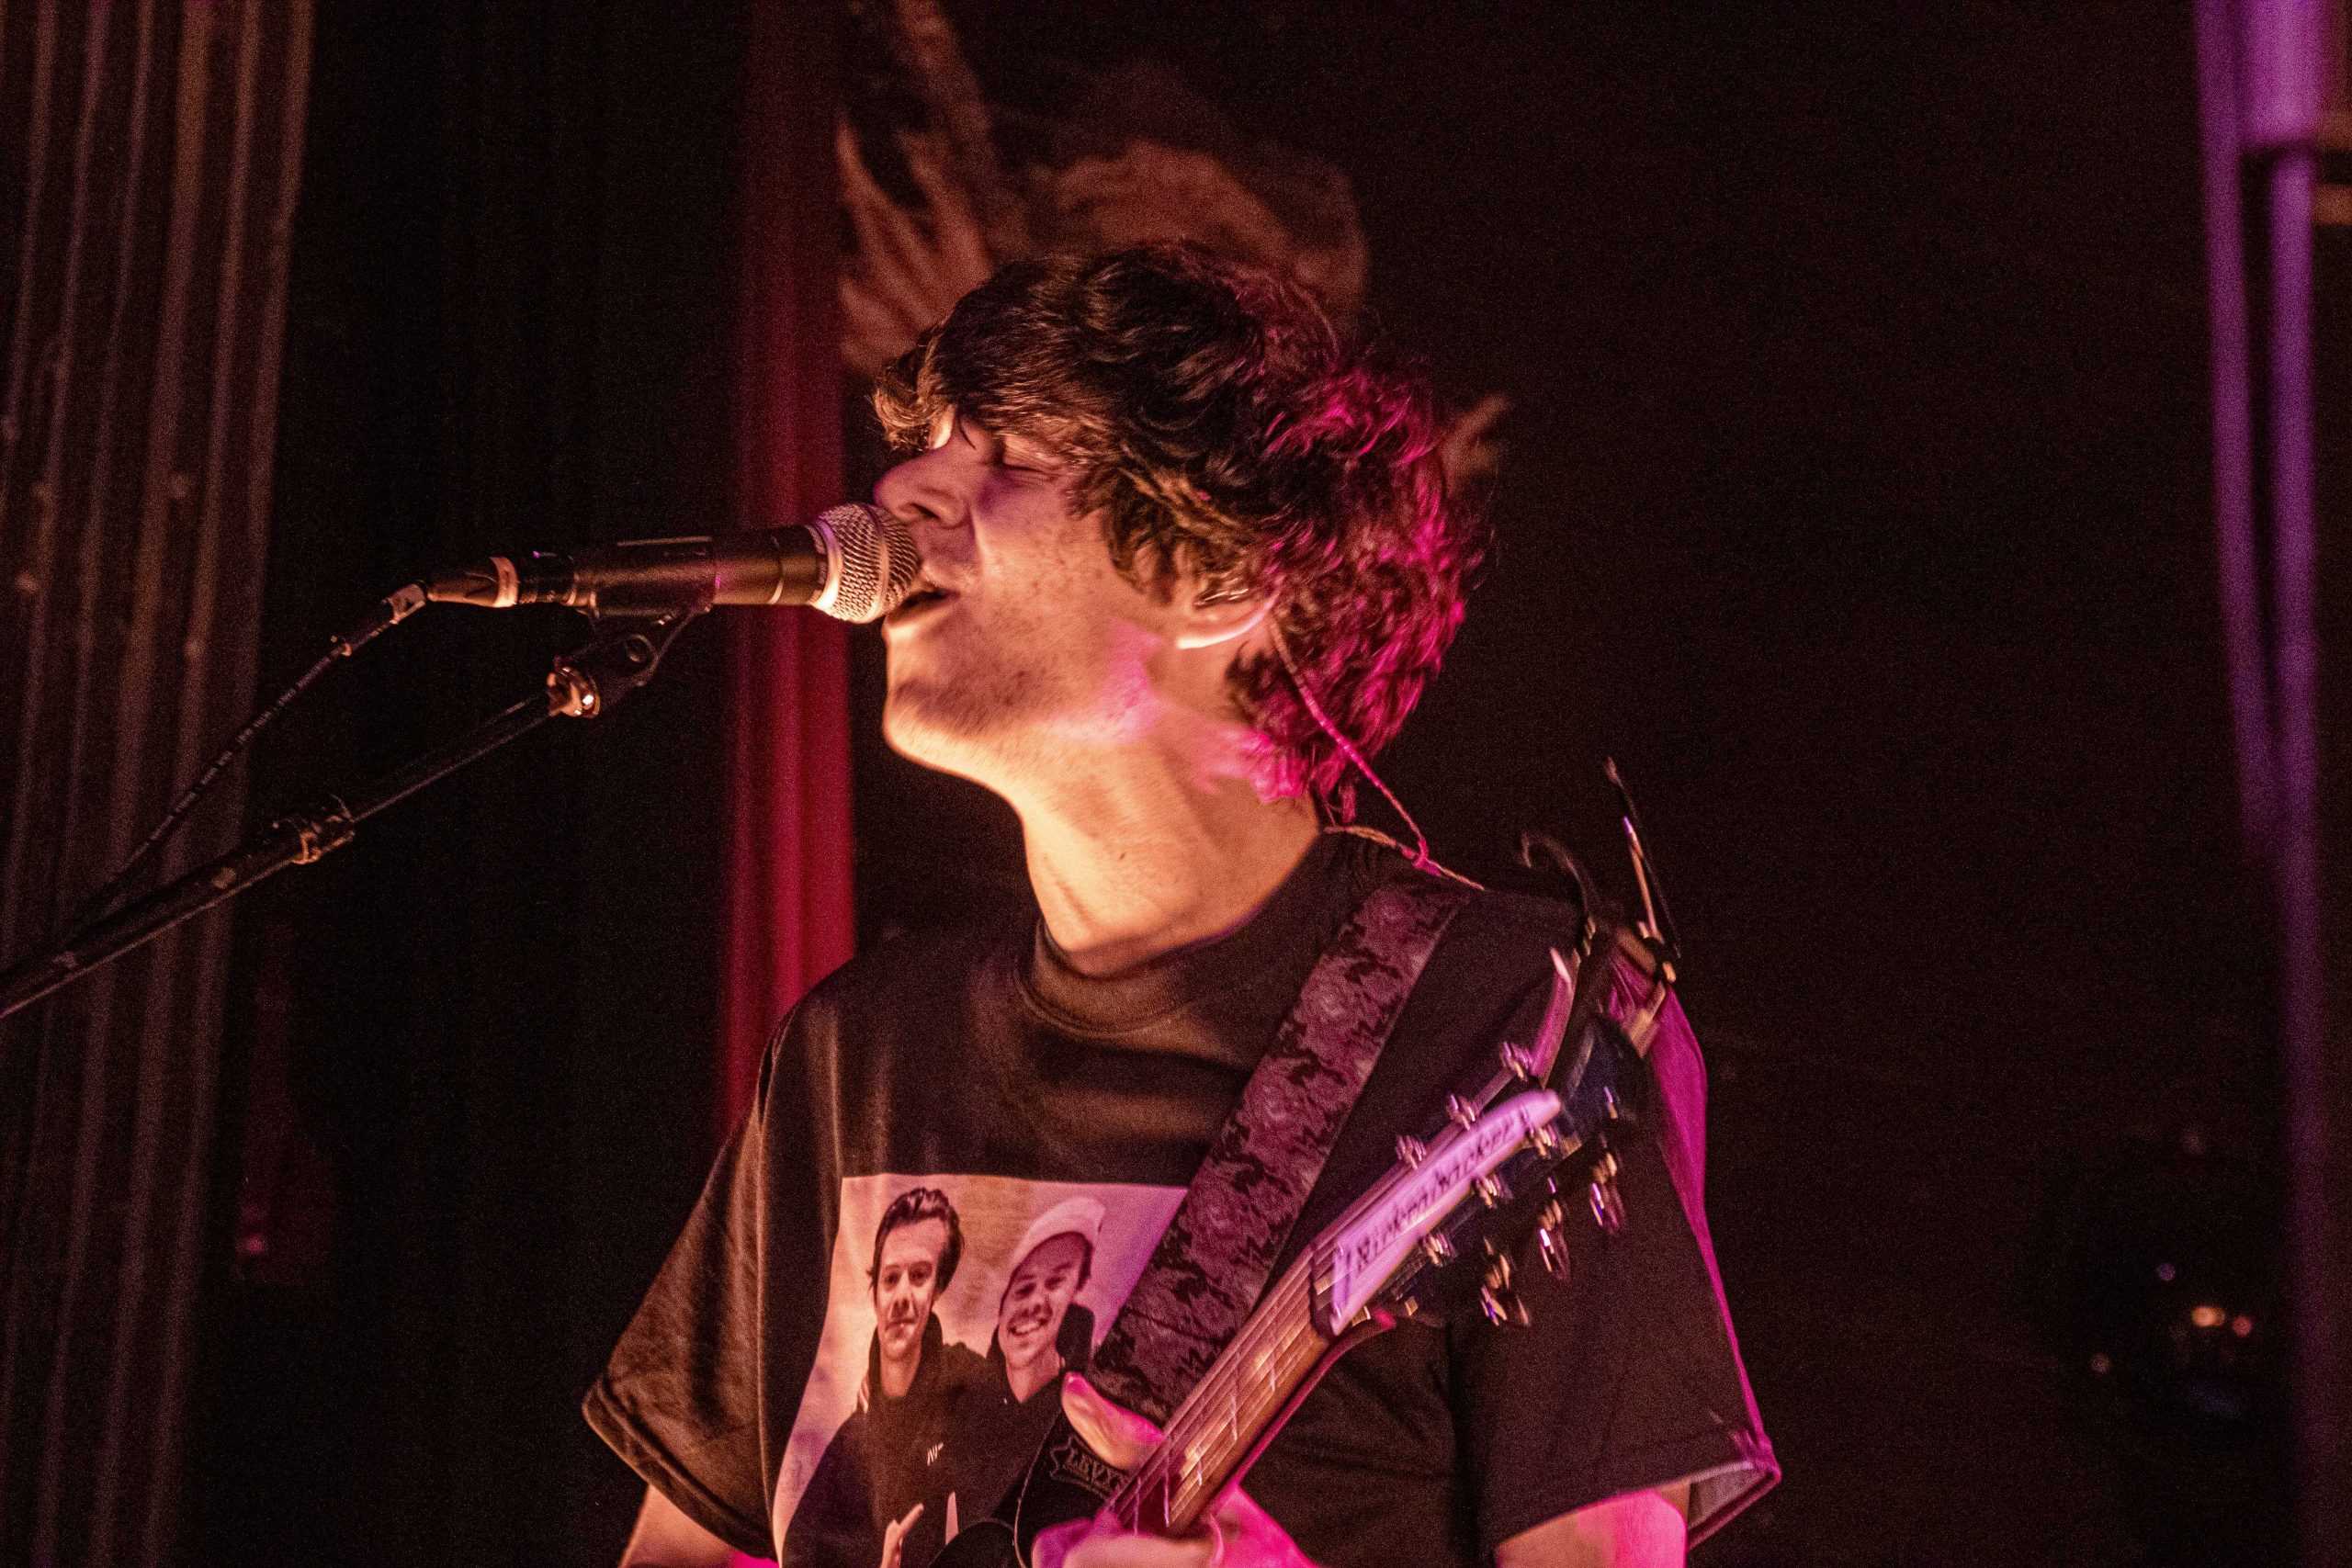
{"type": "Point", "coordinates": [953, 1307]}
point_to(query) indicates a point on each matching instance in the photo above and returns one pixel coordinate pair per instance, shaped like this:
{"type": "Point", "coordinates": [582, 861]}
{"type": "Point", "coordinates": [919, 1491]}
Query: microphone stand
{"type": "Point", "coordinates": [582, 683]}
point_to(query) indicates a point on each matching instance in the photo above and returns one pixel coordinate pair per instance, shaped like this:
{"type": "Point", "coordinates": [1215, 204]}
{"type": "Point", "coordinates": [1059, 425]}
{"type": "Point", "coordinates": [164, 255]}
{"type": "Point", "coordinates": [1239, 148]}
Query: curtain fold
{"type": "Point", "coordinates": [788, 919]}
{"type": "Point", "coordinates": [149, 159]}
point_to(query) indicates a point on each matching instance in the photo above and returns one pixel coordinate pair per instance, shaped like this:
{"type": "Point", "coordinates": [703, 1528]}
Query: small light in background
{"type": "Point", "coordinates": [2205, 1315]}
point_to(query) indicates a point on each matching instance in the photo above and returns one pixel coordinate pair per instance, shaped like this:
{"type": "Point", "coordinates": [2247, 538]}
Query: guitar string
{"type": "Point", "coordinates": [1191, 1417]}
{"type": "Point", "coordinates": [1301, 1326]}
{"type": "Point", "coordinates": [1180, 1489]}
{"type": "Point", "coordinates": [1196, 1416]}
{"type": "Point", "coordinates": [1296, 1282]}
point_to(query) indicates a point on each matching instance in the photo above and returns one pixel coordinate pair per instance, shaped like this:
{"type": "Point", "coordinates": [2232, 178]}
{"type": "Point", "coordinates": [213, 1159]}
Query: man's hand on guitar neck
{"type": "Point", "coordinates": [1240, 1534]}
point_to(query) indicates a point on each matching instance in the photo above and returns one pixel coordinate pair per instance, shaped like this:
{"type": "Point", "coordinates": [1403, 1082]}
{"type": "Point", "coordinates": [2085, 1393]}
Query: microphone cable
{"type": "Point", "coordinates": [395, 607]}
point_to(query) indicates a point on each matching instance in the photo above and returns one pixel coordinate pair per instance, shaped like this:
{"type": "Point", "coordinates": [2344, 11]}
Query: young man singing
{"type": "Point", "coordinates": [1188, 560]}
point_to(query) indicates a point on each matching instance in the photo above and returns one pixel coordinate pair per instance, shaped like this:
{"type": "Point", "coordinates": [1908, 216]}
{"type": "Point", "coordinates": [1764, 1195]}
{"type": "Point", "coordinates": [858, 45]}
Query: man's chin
{"type": "Point", "coordinates": [933, 731]}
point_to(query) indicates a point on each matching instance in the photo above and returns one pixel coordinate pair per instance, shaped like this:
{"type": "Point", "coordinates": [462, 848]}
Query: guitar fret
{"type": "Point", "coordinates": [1229, 1411]}
{"type": "Point", "coordinates": [1204, 1442]}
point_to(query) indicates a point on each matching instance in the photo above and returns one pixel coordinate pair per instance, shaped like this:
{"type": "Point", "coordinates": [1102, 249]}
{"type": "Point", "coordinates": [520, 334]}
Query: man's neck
{"type": "Point", "coordinates": [1027, 1380]}
{"type": "Point", "coordinates": [1131, 866]}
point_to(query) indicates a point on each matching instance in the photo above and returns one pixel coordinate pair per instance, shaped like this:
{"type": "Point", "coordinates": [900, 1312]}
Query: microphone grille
{"type": "Point", "coordinates": [873, 566]}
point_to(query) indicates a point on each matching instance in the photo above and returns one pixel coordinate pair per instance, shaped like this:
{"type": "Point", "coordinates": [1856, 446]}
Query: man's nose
{"type": "Point", "coordinates": [922, 493]}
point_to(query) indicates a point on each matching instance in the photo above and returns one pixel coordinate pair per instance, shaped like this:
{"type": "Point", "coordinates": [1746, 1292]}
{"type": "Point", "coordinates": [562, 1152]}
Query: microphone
{"type": "Point", "coordinates": [854, 563]}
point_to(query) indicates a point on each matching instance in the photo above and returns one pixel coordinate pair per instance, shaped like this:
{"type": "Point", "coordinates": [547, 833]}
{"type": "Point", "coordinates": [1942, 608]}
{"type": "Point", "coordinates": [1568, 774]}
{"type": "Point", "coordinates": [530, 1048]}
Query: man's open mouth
{"type": "Point", "coordinates": [924, 594]}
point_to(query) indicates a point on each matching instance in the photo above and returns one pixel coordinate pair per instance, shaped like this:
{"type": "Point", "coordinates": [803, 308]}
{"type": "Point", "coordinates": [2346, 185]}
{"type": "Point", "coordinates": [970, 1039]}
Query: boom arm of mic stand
{"type": "Point", "coordinates": [583, 683]}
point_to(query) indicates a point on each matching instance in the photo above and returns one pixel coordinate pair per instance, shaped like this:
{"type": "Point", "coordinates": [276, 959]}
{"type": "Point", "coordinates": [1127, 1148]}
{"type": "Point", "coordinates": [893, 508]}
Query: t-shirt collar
{"type": "Point", "coordinates": [1111, 1004]}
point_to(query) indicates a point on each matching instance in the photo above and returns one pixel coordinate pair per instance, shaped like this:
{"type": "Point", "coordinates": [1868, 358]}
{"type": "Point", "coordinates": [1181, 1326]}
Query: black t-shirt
{"type": "Point", "coordinates": [1052, 1120]}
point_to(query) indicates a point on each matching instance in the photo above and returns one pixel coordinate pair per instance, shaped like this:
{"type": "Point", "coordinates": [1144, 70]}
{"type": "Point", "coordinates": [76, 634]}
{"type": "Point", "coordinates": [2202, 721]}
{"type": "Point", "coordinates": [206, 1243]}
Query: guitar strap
{"type": "Point", "coordinates": [1237, 1215]}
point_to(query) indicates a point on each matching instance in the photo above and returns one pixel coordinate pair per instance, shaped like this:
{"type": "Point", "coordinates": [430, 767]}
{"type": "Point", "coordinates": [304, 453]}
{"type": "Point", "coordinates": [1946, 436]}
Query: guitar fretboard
{"type": "Point", "coordinates": [1219, 1425]}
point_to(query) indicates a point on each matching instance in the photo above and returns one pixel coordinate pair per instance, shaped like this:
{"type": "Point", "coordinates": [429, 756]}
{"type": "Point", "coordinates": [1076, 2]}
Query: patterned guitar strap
{"type": "Point", "coordinates": [1219, 1249]}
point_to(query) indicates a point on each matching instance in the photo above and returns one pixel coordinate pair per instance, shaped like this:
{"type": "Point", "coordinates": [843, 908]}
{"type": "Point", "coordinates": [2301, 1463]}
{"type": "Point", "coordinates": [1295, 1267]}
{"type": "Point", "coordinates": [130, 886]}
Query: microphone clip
{"type": "Point", "coordinates": [588, 681]}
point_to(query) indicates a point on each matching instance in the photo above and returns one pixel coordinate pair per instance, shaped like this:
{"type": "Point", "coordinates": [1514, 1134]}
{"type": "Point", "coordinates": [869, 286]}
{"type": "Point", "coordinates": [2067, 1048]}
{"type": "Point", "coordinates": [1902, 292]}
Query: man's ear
{"type": "Point", "coordinates": [1216, 618]}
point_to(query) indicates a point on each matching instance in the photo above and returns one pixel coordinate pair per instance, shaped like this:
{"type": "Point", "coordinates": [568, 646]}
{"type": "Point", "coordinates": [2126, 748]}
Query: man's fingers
{"type": "Point", "coordinates": [895, 1533]}
{"type": "Point", "coordinates": [1052, 1545]}
{"type": "Point", "coordinates": [1252, 1536]}
{"type": "Point", "coordinates": [1139, 1552]}
{"type": "Point", "coordinates": [1098, 1545]}
{"type": "Point", "coordinates": [1247, 1532]}
{"type": "Point", "coordinates": [1119, 1436]}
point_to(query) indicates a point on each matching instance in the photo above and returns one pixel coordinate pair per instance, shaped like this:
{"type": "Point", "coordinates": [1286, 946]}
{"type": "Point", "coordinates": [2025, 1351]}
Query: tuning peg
{"type": "Point", "coordinates": [1438, 1248]}
{"type": "Point", "coordinates": [1503, 1308]}
{"type": "Point", "coordinates": [1608, 1203]}
{"type": "Point", "coordinates": [1460, 1111]}
{"type": "Point", "coordinates": [1411, 1151]}
{"type": "Point", "coordinates": [1493, 1190]}
{"type": "Point", "coordinates": [1497, 1298]}
{"type": "Point", "coordinates": [1545, 1140]}
{"type": "Point", "coordinates": [1552, 1246]}
{"type": "Point", "coordinates": [1518, 1063]}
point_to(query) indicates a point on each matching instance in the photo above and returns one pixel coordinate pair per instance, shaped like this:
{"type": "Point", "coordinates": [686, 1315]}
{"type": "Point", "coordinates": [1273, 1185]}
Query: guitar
{"type": "Point", "coordinates": [1435, 1234]}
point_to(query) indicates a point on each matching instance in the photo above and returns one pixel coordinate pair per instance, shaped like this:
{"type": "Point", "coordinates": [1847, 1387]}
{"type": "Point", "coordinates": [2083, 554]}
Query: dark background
{"type": "Point", "coordinates": [1857, 501]}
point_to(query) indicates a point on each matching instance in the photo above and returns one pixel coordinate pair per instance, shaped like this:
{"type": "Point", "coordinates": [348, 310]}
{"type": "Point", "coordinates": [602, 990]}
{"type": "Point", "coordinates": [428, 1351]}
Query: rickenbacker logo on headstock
{"type": "Point", "coordinates": [1072, 1460]}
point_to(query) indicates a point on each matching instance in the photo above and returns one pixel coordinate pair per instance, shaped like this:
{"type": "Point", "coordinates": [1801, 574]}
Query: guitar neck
{"type": "Point", "coordinates": [1218, 1430]}
{"type": "Point", "coordinates": [1384, 1240]}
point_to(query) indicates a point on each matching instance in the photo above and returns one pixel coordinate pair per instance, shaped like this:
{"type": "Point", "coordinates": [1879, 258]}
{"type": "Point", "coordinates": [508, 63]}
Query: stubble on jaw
{"type": "Point", "coordinates": [973, 730]}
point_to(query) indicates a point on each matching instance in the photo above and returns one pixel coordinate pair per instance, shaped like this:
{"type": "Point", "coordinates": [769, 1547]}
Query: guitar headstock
{"type": "Point", "coordinates": [1526, 1154]}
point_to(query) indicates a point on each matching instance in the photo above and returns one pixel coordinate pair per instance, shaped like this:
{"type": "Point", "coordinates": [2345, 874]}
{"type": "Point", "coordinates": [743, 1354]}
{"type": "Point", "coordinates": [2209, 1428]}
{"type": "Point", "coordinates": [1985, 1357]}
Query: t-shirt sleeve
{"type": "Point", "coordinates": [681, 1398]}
{"type": "Point", "coordinates": [1630, 1378]}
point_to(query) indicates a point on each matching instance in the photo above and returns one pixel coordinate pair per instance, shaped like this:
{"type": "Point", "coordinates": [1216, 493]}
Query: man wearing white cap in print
{"type": "Point", "coordinates": [1001, 1416]}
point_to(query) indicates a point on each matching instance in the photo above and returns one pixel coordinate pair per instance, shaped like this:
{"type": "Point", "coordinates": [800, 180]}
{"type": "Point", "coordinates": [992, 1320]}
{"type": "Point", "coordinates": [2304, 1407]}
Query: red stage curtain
{"type": "Point", "coordinates": [149, 156]}
{"type": "Point", "coordinates": [787, 909]}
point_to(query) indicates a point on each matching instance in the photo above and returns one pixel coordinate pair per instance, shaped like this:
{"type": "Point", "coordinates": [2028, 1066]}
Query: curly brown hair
{"type": "Point", "coordinates": [1223, 429]}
